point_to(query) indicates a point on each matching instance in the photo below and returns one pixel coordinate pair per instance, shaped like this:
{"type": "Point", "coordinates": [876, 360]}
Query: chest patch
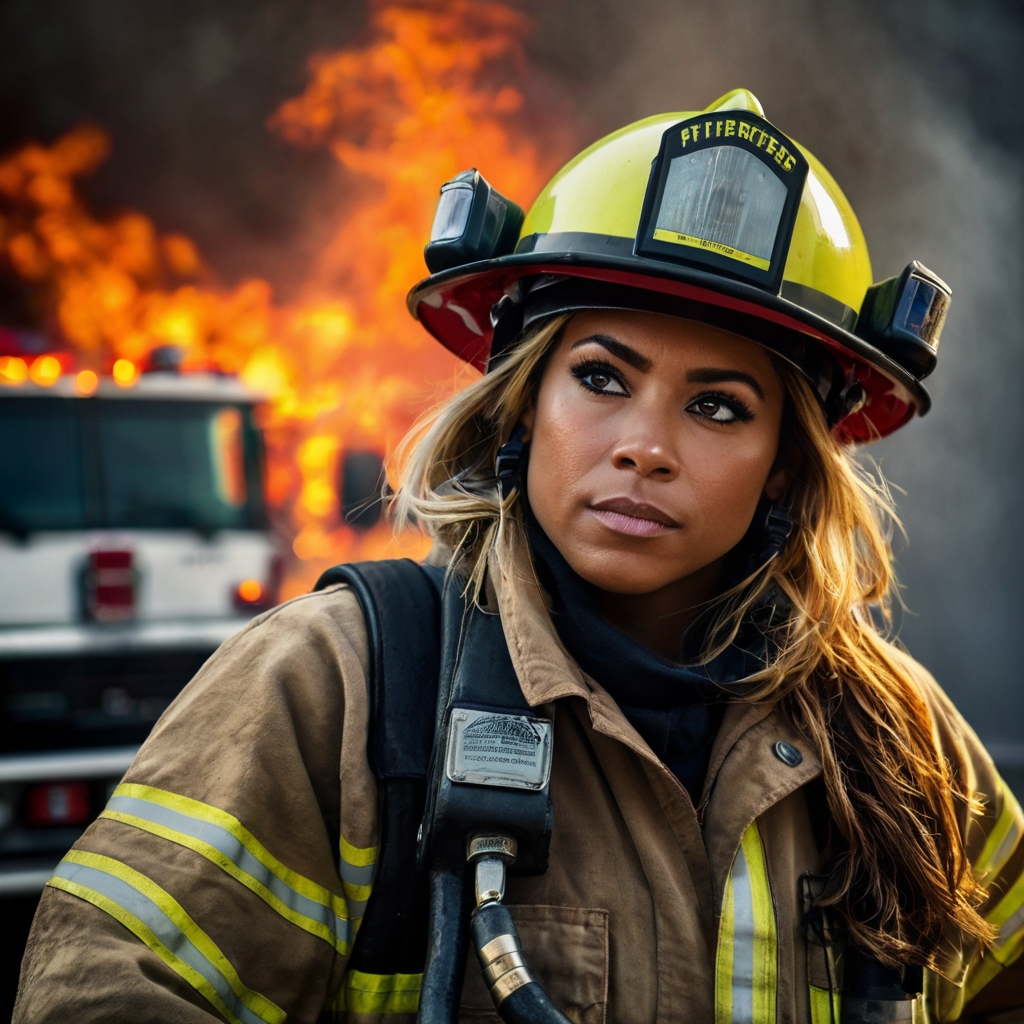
{"type": "Point", "coordinates": [488, 749]}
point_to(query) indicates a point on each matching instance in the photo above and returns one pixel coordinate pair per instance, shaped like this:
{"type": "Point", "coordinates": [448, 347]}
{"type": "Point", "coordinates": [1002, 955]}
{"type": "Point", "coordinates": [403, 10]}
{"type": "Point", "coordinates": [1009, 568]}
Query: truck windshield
{"type": "Point", "coordinates": [72, 464]}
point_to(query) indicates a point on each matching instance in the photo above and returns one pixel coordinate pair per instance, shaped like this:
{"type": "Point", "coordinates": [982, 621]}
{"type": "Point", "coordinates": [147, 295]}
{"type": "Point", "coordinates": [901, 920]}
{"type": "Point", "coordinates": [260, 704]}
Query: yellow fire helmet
{"type": "Point", "coordinates": [714, 216]}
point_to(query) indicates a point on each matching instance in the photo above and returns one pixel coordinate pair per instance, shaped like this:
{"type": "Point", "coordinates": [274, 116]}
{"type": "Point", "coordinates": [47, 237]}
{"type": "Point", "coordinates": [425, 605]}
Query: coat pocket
{"type": "Point", "coordinates": [567, 951]}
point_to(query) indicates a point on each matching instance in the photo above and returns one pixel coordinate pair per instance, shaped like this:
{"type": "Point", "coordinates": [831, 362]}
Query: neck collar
{"type": "Point", "coordinates": [630, 672]}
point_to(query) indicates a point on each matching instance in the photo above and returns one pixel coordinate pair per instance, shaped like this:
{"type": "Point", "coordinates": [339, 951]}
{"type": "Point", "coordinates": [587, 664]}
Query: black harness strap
{"type": "Point", "coordinates": [400, 601]}
{"type": "Point", "coordinates": [442, 687]}
{"type": "Point", "coordinates": [477, 674]}
{"type": "Point", "coordinates": [478, 684]}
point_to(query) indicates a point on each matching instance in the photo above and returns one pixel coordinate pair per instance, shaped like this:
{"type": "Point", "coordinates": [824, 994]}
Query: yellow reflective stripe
{"type": "Point", "coordinates": [979, 975]}
{"type": "Point", "coordinates": [207, 812]}
{"type": "Point", "coordinates": [766, 944]}
{"type": "Point", "coordinates": [1008, 915]}
{"type": "Point", "coordinates": [723, 958]}
{"type": "Point", "coordinates": [142, 932]}
{"type": "Point", "coordinates": [357, 869]}
{"type": "Point", "coordinates": [824, 1005]}
{"type": "Point", "coordinates": [356, 893]}
{"type": "Point", "coordinates": [1002, 840]}
{"type": "Point", "coordinates": [158, 920]}
{"type": "Point", "coordinates": [358, 857]}
{"type": "Point", "coordinates": [1010, 947]}
{"type": "Point", "coordinates": [678, 238]}
{"type": "Point", "coordinates": [298, 899]}
{"type": "Point", "coordinates": [215, 856]}
{"type": "Point", "coordinates": [380, 993]}
{"type": "Point", "coordinates": [746, 963]}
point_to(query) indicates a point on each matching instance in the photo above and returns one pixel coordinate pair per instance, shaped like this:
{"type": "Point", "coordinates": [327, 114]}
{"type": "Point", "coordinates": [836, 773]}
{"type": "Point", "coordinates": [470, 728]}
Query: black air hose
{"type": "Point", "coordinates": [517, 995]}
{"type": "Point", "coordinates": [447, 944]}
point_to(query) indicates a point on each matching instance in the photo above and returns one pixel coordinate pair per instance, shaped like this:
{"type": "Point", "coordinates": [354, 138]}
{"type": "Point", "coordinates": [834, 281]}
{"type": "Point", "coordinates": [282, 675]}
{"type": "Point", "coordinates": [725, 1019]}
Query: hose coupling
{"type": "Point", "coordinates": [490, 853]}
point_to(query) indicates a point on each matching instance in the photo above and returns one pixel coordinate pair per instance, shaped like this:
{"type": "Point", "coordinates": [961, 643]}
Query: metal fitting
{"type": "Point", "coordinates": [491, 854]}
{"type": "Point", "coordinates": [485, 844]}
{"type": "Point", "coordinates": [504, 968]}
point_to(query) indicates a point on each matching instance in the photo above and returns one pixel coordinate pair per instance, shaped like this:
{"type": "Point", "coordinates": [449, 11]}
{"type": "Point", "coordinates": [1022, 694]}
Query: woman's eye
{"type": "Point", "coordinates": [600, 381]}
{"type": "Point", "coordinates": [718, 409]}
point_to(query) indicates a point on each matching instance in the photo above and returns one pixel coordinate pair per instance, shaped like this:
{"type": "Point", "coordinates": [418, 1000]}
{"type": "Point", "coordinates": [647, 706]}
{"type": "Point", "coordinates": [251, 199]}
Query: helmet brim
{"type": "Point", "coordinates": [455, 307]}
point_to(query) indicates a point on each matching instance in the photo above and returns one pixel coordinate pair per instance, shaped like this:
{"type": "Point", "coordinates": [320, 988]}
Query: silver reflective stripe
{"type": "Point", "coordinates": [1002, 839]}
{"type": "Point", "coordinates": [1010, 927]}
{"type": "Point", "coordinates": [743, 942]}
{"type": "Point", "coordinates": [356, 908]}
{"type": "Point", "coordinates": [227, 844]}
{"type": "Point", "coordinates": [746, 962]}
{"type": "Point", "coordinates": [357, 875]}
{"type": "Point", "coordinates": [1005, 850]}
{"type": "Point", "coordinates": [142, 907]}
{"type": "Point", "coordinates": [358, 880]}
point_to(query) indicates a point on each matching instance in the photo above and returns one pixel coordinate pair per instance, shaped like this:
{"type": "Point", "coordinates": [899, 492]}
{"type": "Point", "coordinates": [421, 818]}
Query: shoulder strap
{"type": "Point", "coordinates": [400, 602]}
{"type": "Point", "coordinates": [401, 605]}
{"type": "Point", "coordinates": [431, 656]}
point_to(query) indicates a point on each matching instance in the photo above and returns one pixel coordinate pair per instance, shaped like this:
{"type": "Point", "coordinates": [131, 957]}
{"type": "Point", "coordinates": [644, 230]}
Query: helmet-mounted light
{"type": "Point", "coordinates": [473, 222]}
{"type": "Point", "coordinates": [903, 316]}
{"type": "Point", "coordinates": [723, 195]}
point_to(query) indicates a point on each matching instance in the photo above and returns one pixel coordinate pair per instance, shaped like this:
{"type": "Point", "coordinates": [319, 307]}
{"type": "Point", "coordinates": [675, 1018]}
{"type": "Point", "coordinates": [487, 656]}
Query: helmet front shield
{"type": "Point", "coordinates": [724, 194]}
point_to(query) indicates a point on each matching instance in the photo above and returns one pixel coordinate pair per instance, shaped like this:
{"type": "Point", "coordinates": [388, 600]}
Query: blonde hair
{"type": "Point", "coordinates": [900, 877]}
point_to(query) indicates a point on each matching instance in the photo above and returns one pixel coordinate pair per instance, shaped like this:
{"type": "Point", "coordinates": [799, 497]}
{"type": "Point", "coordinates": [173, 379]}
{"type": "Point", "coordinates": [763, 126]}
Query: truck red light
{"type": "Point", "coordinates": [60, 803]}
{"type": "Point", "coordinates": [110, 586]}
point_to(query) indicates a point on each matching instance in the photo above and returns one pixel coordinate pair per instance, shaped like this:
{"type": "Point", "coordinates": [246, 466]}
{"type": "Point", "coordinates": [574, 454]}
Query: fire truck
{"type": "Point", "coordinates": [133, 541]}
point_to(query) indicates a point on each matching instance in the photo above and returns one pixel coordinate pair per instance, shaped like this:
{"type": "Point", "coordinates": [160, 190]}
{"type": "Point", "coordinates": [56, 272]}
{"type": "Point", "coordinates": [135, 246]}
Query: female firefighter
{"type": "Point", "coordinates": [759, 808]}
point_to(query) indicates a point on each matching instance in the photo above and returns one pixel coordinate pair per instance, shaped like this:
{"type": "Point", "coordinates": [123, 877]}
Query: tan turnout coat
{"type": "Point", "coordinates": [228, 875]}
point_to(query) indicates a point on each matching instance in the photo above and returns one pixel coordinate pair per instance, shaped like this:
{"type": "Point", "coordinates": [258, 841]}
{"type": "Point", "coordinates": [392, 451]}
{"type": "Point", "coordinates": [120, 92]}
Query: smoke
{"type": "Point", "coordinates": [913, 109]}
{"type": "Point", "coordinates": [185, 88]}
{"type": "Point", "coordinates": [913, 106]}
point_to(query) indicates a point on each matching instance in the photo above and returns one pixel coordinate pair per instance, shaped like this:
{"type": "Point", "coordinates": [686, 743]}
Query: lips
{"type": "Point", "coordinates": [637, 519]}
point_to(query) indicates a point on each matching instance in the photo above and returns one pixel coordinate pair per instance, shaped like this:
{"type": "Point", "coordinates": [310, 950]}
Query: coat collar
{"type": "Point", "coordinates": [548, 673]}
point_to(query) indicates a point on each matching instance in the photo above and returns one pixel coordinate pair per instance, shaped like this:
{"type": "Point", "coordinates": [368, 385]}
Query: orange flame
{"type": "Point", "coordinates": [432, 92]}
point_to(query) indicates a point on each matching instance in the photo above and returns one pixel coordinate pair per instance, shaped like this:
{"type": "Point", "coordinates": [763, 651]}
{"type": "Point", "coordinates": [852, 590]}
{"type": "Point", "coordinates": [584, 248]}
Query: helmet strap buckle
{"type": "Point", "coordinates": [508, 462]}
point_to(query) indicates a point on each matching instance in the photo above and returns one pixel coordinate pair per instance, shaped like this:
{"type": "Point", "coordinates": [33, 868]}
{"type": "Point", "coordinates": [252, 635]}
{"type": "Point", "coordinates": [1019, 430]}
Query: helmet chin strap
{"type": "Point", "coordinates": [508, 463]}
{"type": "Point", "coordinates": [770, 530]}
{"type": "Point", "coordinates": [778, 526]}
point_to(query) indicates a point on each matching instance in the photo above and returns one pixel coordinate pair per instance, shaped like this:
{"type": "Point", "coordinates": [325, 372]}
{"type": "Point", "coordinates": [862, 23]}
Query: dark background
{"type": "Point", "coordinates": [915, 107]}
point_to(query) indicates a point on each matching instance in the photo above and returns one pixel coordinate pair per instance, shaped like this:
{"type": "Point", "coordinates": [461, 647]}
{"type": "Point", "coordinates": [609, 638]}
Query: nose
{"type": "Point", "coordinates": [650, 457]}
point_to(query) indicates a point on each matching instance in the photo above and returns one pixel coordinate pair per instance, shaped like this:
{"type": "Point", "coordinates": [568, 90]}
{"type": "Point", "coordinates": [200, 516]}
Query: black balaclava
{"type": "Point", "coordinates": [676, 708]}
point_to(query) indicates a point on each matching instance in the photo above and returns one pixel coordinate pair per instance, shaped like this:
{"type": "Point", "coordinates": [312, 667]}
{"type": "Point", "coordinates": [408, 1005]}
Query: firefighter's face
{"type": "Point", "coordinates": [651, 441]}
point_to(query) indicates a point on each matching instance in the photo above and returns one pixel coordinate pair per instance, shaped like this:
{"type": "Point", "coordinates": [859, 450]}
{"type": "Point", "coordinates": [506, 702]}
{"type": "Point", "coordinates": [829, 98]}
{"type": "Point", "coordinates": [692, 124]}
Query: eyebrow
{"type": "Point", "coordinates": [704, 375]}
{"type": "Point", "coordinates": [628, 355]}
{"type": "Point", "coordinates": [714, 375]}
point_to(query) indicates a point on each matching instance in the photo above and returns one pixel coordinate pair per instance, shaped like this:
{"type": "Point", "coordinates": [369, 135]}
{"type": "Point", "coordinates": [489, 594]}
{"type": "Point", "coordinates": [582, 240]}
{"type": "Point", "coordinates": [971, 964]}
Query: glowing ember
{"type": "Point", "coordinates": [344, 368]}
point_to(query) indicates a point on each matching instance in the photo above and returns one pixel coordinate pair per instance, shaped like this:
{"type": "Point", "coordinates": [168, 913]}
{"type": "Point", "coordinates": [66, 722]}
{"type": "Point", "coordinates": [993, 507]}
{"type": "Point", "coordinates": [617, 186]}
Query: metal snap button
{"type": "Point", "coordinates": [788, 754]}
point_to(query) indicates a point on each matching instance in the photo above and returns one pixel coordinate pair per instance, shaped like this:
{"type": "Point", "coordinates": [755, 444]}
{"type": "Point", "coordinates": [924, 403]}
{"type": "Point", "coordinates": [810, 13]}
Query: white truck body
{"type": "Point", "coordinates": [133, 542]}
{"type": "Point", "coordinates": [180, 576]}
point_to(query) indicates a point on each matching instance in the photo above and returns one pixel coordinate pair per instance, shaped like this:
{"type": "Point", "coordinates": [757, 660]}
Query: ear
{"type": "Point", "coordinates": [526, 421]}
{"type": "Point", "coordinates": [783, 472]}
